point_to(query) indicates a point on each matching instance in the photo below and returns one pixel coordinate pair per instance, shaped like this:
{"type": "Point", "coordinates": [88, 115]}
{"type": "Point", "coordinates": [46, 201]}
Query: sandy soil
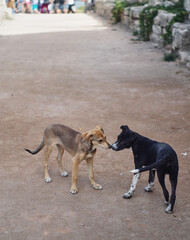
{"type": "Point", "coordinates": [79, 71]}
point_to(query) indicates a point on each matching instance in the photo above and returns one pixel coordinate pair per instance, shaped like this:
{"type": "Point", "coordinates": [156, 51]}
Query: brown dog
{"type": "Point", "coordinates": [82, 146]}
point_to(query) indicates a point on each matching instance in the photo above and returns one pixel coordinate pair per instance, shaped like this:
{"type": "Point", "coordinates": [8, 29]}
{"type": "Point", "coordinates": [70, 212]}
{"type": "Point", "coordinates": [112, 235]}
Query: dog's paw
{"type": "Point", "coordinates": [97, 186]}
{"type": "Point", "coordinates": [127, 195]}
{"type": "Point", "coordinates": [148, 188]}
{"type": "Point", "coordinates": [48, 180]}
{"type": "Point", "coordinates": [168, 209]}
{"type": "Point", "coordinates": [64, 174]}
{"type": "Point", "coordinates": [74, 190]}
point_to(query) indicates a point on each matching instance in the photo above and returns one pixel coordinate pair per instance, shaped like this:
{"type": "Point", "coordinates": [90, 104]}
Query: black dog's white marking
{"type": "Point", "coordinates": [153, 155]}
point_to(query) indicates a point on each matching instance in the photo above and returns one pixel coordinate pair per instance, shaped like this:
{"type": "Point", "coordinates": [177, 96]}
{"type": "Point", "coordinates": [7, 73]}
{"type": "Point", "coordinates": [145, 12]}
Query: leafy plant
{"type": "Point", "coordinates": [169, 57]}
{"type": "Point", "coordinates": [146, 21]}
{"type": "Point", "coordinates": [118, 9]}
{"type": "Point", "coordinates": [135, 33]}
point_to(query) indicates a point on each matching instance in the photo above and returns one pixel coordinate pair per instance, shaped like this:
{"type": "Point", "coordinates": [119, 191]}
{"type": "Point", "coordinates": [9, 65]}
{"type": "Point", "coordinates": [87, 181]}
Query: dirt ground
{"type": "Point", "coordinates": [80, 71]}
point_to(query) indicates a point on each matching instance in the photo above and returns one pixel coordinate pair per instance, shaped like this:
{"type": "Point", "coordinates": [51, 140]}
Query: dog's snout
{"type": "Point", "coordinates": [114, 146]}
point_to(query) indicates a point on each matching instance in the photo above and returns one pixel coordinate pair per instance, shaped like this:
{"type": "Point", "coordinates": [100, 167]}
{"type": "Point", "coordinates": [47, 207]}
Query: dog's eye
{"type": "Point", "coordinates": [100, 140]}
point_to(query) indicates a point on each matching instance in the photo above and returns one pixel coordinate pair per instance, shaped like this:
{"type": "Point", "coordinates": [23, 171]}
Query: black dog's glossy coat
{"type": "Point", "coordinates": [152, 155]}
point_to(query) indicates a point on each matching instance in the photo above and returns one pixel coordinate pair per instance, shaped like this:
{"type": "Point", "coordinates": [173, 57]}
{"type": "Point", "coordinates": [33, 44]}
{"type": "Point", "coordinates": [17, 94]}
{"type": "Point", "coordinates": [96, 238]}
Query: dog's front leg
{"type": "Point", "coordinates": [135, 180]}
{"type": "Point", "coordinates": [150, 186]}
{"type": "Point", "coordinates": [96, 186]}
{"type": "Point", "coordinates": [76, 162]}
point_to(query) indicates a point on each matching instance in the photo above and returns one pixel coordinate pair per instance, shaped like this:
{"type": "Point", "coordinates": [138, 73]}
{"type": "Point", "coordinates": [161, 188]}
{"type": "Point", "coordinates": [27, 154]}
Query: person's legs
{"type": "Point", "coordinates": [56, 8]}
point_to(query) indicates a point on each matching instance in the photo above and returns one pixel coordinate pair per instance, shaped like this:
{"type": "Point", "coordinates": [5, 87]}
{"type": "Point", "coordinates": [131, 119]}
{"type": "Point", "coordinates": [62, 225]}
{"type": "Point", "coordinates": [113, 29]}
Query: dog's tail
{"type": "Point", "coordinates": [153, 165]}
{"type": "Point", "coordinates": [37, 150]}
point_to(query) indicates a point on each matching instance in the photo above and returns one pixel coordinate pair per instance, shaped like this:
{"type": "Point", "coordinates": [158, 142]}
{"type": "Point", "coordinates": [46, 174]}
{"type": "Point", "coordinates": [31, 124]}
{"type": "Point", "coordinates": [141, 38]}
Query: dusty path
{"type": "Point", "coordinates": [79, 71]}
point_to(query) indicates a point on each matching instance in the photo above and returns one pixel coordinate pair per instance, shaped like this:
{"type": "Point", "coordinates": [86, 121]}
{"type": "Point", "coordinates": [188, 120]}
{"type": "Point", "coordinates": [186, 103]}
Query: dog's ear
{"type": "Point", "coordinates": [124, 127]}
{"type": "Point", "coordinates": [87, 136]}
{"type": "Point", "coordinates": [99, 127]}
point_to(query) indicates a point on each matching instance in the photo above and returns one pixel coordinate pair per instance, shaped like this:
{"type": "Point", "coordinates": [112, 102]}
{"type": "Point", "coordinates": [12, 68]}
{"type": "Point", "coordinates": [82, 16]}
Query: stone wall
{"type": "Point", "coordinates": [104, 8]}
{"type": "Point", "coordinates": [187, 6]}
{"type": "Point", "coordinates": [161, 21]}
{"type": "Point", "coordinates": [181, 42]}
{"type": "Point", "coordinates": [131, 18]}
{"type": "Point", "coordinates": [181, 38]}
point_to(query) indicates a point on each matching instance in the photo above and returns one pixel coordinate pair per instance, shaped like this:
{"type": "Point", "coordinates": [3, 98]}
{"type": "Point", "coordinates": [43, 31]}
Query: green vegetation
{"type": "Point", "coordinates": [118, 10]}
{"type": "Point", "coordinates": [135, 33]}
{"type": "Point", "coordinates": [146, 21]}
{"type": "Point", "coordinates": [181, 15]}
{"type": "Point", "coordinates": [169, 57]}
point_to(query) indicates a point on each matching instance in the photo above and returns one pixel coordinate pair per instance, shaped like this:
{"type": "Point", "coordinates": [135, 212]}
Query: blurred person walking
{"type": "Point", "coordinates": [59, 6]}
{"type": "Point", "coordinates": [21, 6]}
{"type": "Point", "coordinates": [35, 6]}
{"type": "Point", "coordinates": [71, 6]}
{"type": "Point", "coordinates": [12, 4]}
{"type": "Point", "coordinates": [51, 6]}
{"type": "Point", "coordinates": [28, 6]}
{"type": "Point", "coordinates": [44, 6]}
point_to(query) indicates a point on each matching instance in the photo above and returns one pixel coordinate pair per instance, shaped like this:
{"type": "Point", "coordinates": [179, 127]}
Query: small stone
{"type": "Point", "coordinates": [184, 154]}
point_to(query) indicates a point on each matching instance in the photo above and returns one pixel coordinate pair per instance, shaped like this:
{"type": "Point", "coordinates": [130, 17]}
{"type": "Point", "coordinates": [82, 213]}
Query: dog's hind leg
{"type": "Point", "coordinates": [59, 160]}
{"type": "Point", "coordinates": [135, 180]}
{"type": "Point", "coordinates": [161, 179]}
{"type": "Point", "coordinates": [150, 186]}
{"type": "Point", "coordinates": [173, 180]}
{"type": "Point", "coordinates": [47, 153]}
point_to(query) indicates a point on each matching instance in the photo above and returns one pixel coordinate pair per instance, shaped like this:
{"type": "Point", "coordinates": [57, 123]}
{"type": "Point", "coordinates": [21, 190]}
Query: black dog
{"type": "Point", "coordinates": [153, 155]}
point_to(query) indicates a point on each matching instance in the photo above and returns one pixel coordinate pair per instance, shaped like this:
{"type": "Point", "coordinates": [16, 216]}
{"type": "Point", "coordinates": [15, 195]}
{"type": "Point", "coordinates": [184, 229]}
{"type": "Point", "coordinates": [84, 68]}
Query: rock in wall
{"type": "Point", "coordinates": [187, 5]}
{"type": "Point", "coordinates": [104, 8]}
{"type": "Point", "coordinates": [161, 21]}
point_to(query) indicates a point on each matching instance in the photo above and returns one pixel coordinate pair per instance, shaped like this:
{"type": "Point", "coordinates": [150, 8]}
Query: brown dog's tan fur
{"type": "Point", "coordinates": [82, 146]}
